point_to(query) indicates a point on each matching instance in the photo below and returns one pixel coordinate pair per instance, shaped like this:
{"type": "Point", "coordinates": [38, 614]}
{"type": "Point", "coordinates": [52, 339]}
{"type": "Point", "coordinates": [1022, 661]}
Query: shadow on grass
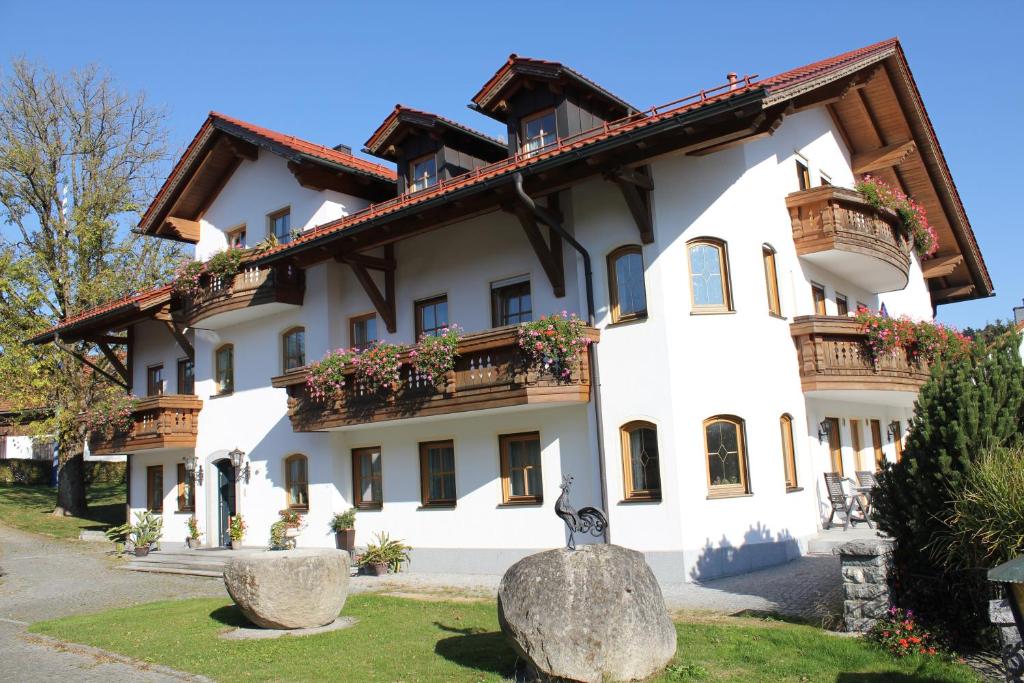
{"type": "Point", "coordinates": [477, 649]}
{"type": "Point", "coordinates": [887, 677]}
{"type": "Point", "coordinates": [230, 615]}
{"type": "Point", "coordinates": [767, 615]}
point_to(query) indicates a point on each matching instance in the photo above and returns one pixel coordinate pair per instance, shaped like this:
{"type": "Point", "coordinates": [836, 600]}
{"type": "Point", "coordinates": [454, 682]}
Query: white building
{"type": "Point", "coordinates": [726, 258]}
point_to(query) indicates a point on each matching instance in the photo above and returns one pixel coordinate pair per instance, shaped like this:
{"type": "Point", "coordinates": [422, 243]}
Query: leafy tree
{"type": "Point", "coordinates": [78, 159]}
{"type": "Point", "coordinates": [969, 405]}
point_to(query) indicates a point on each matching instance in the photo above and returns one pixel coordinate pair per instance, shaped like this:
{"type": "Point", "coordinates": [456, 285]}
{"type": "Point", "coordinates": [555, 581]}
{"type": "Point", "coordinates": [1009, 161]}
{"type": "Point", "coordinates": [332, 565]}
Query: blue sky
{"type": "Point", "coordinates": [331, 71]}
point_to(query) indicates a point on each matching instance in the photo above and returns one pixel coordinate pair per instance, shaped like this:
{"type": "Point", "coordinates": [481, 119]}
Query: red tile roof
{"type": "Point", "coordinates": [375, 139]}
{"type": "Point", "coordinates": [144, 300]}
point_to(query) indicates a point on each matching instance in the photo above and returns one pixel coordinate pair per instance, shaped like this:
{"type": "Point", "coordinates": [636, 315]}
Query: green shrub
{"type": "Point", "coordinates": [103, 472]}
{"type": "Point", "coordinates": [969, 404]}
{"type": "Point", "coordinates": [23, 471]}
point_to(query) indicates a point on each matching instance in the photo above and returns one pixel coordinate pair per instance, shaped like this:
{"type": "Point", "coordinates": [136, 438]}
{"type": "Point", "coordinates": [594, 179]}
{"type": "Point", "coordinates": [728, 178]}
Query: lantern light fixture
{"type": "Point", "coordinates": [824, 429]}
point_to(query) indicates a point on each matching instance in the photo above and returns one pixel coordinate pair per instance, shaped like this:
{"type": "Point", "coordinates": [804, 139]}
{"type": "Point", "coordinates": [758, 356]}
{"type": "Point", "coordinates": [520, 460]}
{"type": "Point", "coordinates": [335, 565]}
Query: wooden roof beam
{"type": "Point", "coordinates": [952, 292]}
{"type": "Point", "coordinates": [636, 190]}
{"type": "Point", "coordinates": [883, 157]}
{"type": "Point", "coordinates": [941, 266]}
{"type": "Point", "coordinates": [383, 302]}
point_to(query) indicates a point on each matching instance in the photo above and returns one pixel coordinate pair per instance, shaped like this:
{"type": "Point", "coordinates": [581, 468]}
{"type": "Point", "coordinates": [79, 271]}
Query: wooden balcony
{"type": "Point", "coordinates": [838, 230]}
{"type": "Point", "coordinates": [833, 356]}
{"type": "Point", "coordinates": [169, 421]}
{"type": "Point", "coordinates": [228, 302]}
{"type": "Point", "coordinates": [487, 375]}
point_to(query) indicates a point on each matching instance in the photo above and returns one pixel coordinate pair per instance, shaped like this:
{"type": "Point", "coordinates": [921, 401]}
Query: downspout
{"type": "Point", "coordinates": [588, 278]}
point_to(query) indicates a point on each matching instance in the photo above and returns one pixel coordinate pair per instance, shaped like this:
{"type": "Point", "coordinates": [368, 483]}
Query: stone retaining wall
{"type": "Point", "coordinates": [865, 571]}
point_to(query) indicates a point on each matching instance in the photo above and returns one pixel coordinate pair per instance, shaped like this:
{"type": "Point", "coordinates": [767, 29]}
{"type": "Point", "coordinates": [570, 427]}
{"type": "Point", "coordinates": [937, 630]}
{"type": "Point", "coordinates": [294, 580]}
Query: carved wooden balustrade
{"type": "Point", "coordinates": [487, 374]}
{"type": "Point", "coordinates": [834, 218]}
{"type": "Point", "coordinates": [168, 421]}
{"type": "Point", "coordinates": [253, 286]}
{"type": "Point", "coordinates": [833, 355]}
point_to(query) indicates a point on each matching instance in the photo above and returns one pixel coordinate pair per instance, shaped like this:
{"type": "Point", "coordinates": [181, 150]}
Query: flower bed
{"type": "Point", "coordinates": [900, 634]}
{"type": "Point", "coordinates": [922, 340]}
{"type": "Point", "coordinates": [327, 376]}
{"type": "Point", "coordinates": [552, 344]}
{"type": "Point", "coordinates": [915, 221]}
{"type": "Point", "coordinates": [434, 357]}
{"type": "Point", "coordinates": [225, 265]}
{"type": "Point", "coordinates": [112, 412]}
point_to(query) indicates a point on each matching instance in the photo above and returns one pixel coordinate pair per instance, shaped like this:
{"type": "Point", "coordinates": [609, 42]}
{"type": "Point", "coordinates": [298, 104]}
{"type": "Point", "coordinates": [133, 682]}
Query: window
{"type": "Point", "coordinates": [897, 439]}
{"type": "Point", "coordinates": [842, 305]}
{"type": "Point", "coordinates": [640, 464]}
{"type": "Point", "coordinates": [296, 481]}
{"type": "Point", "coordinates": [186, 491]}
{"type": "Point", "coordinates": [155, 380]}
{"type": "Point", "coordinates": [876, 442]}
{"type": "Point", "coordinates": [431, 316]}
{"type": "Point", "coordinates": [437, 473]}
{"type": "Point", "coordinates": [294, 348]}
{"type": "Point", "coordinates": [835, 445]}
{"type": "Point", "coordinates": [818, 294]}
{"type": "Point", "coordinates": [186, 376]}
{"type": "Point", "coordinates": [225, 369]}
{"type": "Point", "coordinates": [510, 303]}
{"type": "Point", "coordinates": [788, 451]}
{"type": "Point", "coordinates": [771, 279]}
{"type": "Point", "coordinates": [520, 469]}
{"type": "Point", "coordinates": [367, 489]}
{"type": "Point", "coordinates": [626, 291]}
{"type": "Point", "coordinates": [803, 175]}
{"type": "Point", "coordinates": [539, 131]}
{"type": "Point", "coordinates": [362, 330]}
{"type": "Point", "coordinates": [236, 238]}
{"type": "Point", "coordinates": [280, 225]}
{"type": "Point", "coordinates": [709, 277]}
{"type": "Point", "coordinates": [422, 173]}
{"type": "Point", "coordinates": [155, 488]}
{"type": "Point", "coordinates": [727, 467]}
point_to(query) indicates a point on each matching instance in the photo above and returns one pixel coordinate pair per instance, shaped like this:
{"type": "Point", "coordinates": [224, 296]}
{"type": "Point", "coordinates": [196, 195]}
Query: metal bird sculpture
{"type": "Point", "coordinates": [586, 520]}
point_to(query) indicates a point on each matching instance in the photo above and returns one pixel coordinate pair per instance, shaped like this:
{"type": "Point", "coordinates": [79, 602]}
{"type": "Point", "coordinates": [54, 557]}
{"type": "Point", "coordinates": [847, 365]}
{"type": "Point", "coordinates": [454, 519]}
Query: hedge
{"type": "Point", "coordinates": [38, 472]}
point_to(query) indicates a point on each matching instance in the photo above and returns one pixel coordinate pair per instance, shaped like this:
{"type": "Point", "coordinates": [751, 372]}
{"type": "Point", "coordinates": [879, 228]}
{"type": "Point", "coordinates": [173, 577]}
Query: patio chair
{"type": "Point", "coordinates": [843, 505]}
{"type": "Point", "coordinates": [866, 478]}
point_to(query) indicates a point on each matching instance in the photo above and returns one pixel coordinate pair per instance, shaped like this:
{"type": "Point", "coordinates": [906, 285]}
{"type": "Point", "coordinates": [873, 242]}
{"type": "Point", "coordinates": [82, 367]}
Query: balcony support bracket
{"type": "Point", "coordinates": [123, 381]}
{"type": "Point", "coordinates": [548, 250]}
{"type": "Point", "coordinates": [383, 302]}
{"type": "Point", "coordinates": [177, 331]}
{"type": "Point", "coordinates": [636, 187]}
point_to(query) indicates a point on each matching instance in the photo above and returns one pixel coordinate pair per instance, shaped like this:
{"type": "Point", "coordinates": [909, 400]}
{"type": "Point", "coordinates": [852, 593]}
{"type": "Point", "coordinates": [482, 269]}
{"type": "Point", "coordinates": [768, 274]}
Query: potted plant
{"type": "Point", "coordinates": [192, 540]}
{"type": "Point", "coordinates": [343, 526]}
{"type": "Point", "coordinates": [284, 531]}
{"type": "Point", "coordinates": [386, 554]}
{"type": "Point", "coordinates": [236, 529]}
{"type": "Point", "coordinates": [146, 532]}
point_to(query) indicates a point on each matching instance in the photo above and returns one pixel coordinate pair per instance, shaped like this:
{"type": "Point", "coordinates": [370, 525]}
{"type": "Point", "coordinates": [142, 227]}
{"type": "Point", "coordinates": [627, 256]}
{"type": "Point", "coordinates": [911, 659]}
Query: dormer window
{"type": "Point", "coordinates": [422, 173]}
{"type": "Point", "coordinates": [539, 131]}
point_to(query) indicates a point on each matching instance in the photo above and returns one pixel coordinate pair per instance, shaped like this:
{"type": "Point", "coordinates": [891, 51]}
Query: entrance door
{"type": "Point", "coordinates": [835, 445]}
{"type": "Point", "coordinates": [876, 441]}
{"type": "Point", "coordinates": [225, 498]}
{"type": "Point", "coordinates": [855, 440]}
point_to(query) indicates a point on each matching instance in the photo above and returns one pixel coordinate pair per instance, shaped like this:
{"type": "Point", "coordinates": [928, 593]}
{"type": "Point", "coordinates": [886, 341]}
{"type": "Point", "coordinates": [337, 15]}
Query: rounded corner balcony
{"type": "Point", "coordinates": [487, 375]}
{"type": "Point", "coordinates": [838, 230]}
{"type": "Point", "coordinates": [158, 422]}
{"type": "Point", "coordinates": [252, 292]}
{"type": "Point", "coordinates": [834, 359]}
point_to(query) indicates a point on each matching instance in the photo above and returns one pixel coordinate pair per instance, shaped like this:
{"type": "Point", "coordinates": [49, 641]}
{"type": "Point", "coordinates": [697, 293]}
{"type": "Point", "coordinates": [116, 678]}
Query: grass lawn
{"type": "Point", "coordinates": [400, 639]}
{"type": "Point", "coordinates": [29, 507]}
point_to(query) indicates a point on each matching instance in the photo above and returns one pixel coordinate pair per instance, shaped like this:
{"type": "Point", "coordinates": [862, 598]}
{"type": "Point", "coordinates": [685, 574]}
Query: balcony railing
{"type": "Point", "coordinates": [253, 286]}
{"type": "Point", "coordinates": [833, 355]}
{"type": "Point", "coordinates": [488, 374]}
{"type": "Point", "coordinates": [839, 230]}
{"type": "Point", "coordinates": [168, 421]}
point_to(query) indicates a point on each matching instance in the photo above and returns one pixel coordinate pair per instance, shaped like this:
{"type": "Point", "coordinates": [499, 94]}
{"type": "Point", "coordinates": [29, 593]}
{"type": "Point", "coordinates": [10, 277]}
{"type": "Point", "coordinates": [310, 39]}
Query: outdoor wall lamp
{"type": "Point", "coordinates": [237, 456]}
{"type": "Point", "coordinates": [1010, 576]}
{"type": "Point", "coordinates": [824, 429]}
{"type": "Point", "coordinates": [192, 471]}
{"type": "Point", "coordinates": [894, 430]}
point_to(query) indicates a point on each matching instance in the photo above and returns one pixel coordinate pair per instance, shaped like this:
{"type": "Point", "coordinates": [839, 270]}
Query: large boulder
{"type": "Point", "coordinates": [593, 614]}
{"type": "Point", "coordinates": [289, 589]}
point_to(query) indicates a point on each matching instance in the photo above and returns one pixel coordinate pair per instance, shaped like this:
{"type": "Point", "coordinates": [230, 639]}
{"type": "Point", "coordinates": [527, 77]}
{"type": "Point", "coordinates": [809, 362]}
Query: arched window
{"type": "Point", "coordinates": [626, 290]}
{"type": "Point", "coordinates": [224, 369]}
{"type": "Point", "coordinates": [788, 451]}
{"type": "Point", "coordinates": [296, 481]}
{"type": "Point", "coordinates": [294, 348]}
{"type": "Point", "coordinates": [709, 276]}
{"type": "Point", "coordinates": [771, 280]}
{"type": "Point", "coordinates": [726, 455]}
{"type": "Point", "coordinates": [640, 462]}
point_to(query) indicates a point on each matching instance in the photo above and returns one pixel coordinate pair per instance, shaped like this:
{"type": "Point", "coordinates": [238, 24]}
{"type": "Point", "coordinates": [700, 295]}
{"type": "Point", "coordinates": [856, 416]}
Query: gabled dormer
{"type": "Point", "coordinates": [542, 102]}
{"type": "Point", "coordinates": [428, 148]}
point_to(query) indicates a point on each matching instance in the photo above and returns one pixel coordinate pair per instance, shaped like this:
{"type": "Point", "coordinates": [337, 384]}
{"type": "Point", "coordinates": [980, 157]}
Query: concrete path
{"type": "Point", "coordinates": [46, 578]}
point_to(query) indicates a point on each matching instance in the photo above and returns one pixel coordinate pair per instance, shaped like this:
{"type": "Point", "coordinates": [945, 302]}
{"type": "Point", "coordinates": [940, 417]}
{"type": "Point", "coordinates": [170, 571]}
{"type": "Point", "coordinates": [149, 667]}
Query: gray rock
{"type": "Point", "coordinates": [289, 589]}
{"type": "Point", "coordinates": [865, 547]}
{"type": "Point", "coordinates": [594, 614]}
